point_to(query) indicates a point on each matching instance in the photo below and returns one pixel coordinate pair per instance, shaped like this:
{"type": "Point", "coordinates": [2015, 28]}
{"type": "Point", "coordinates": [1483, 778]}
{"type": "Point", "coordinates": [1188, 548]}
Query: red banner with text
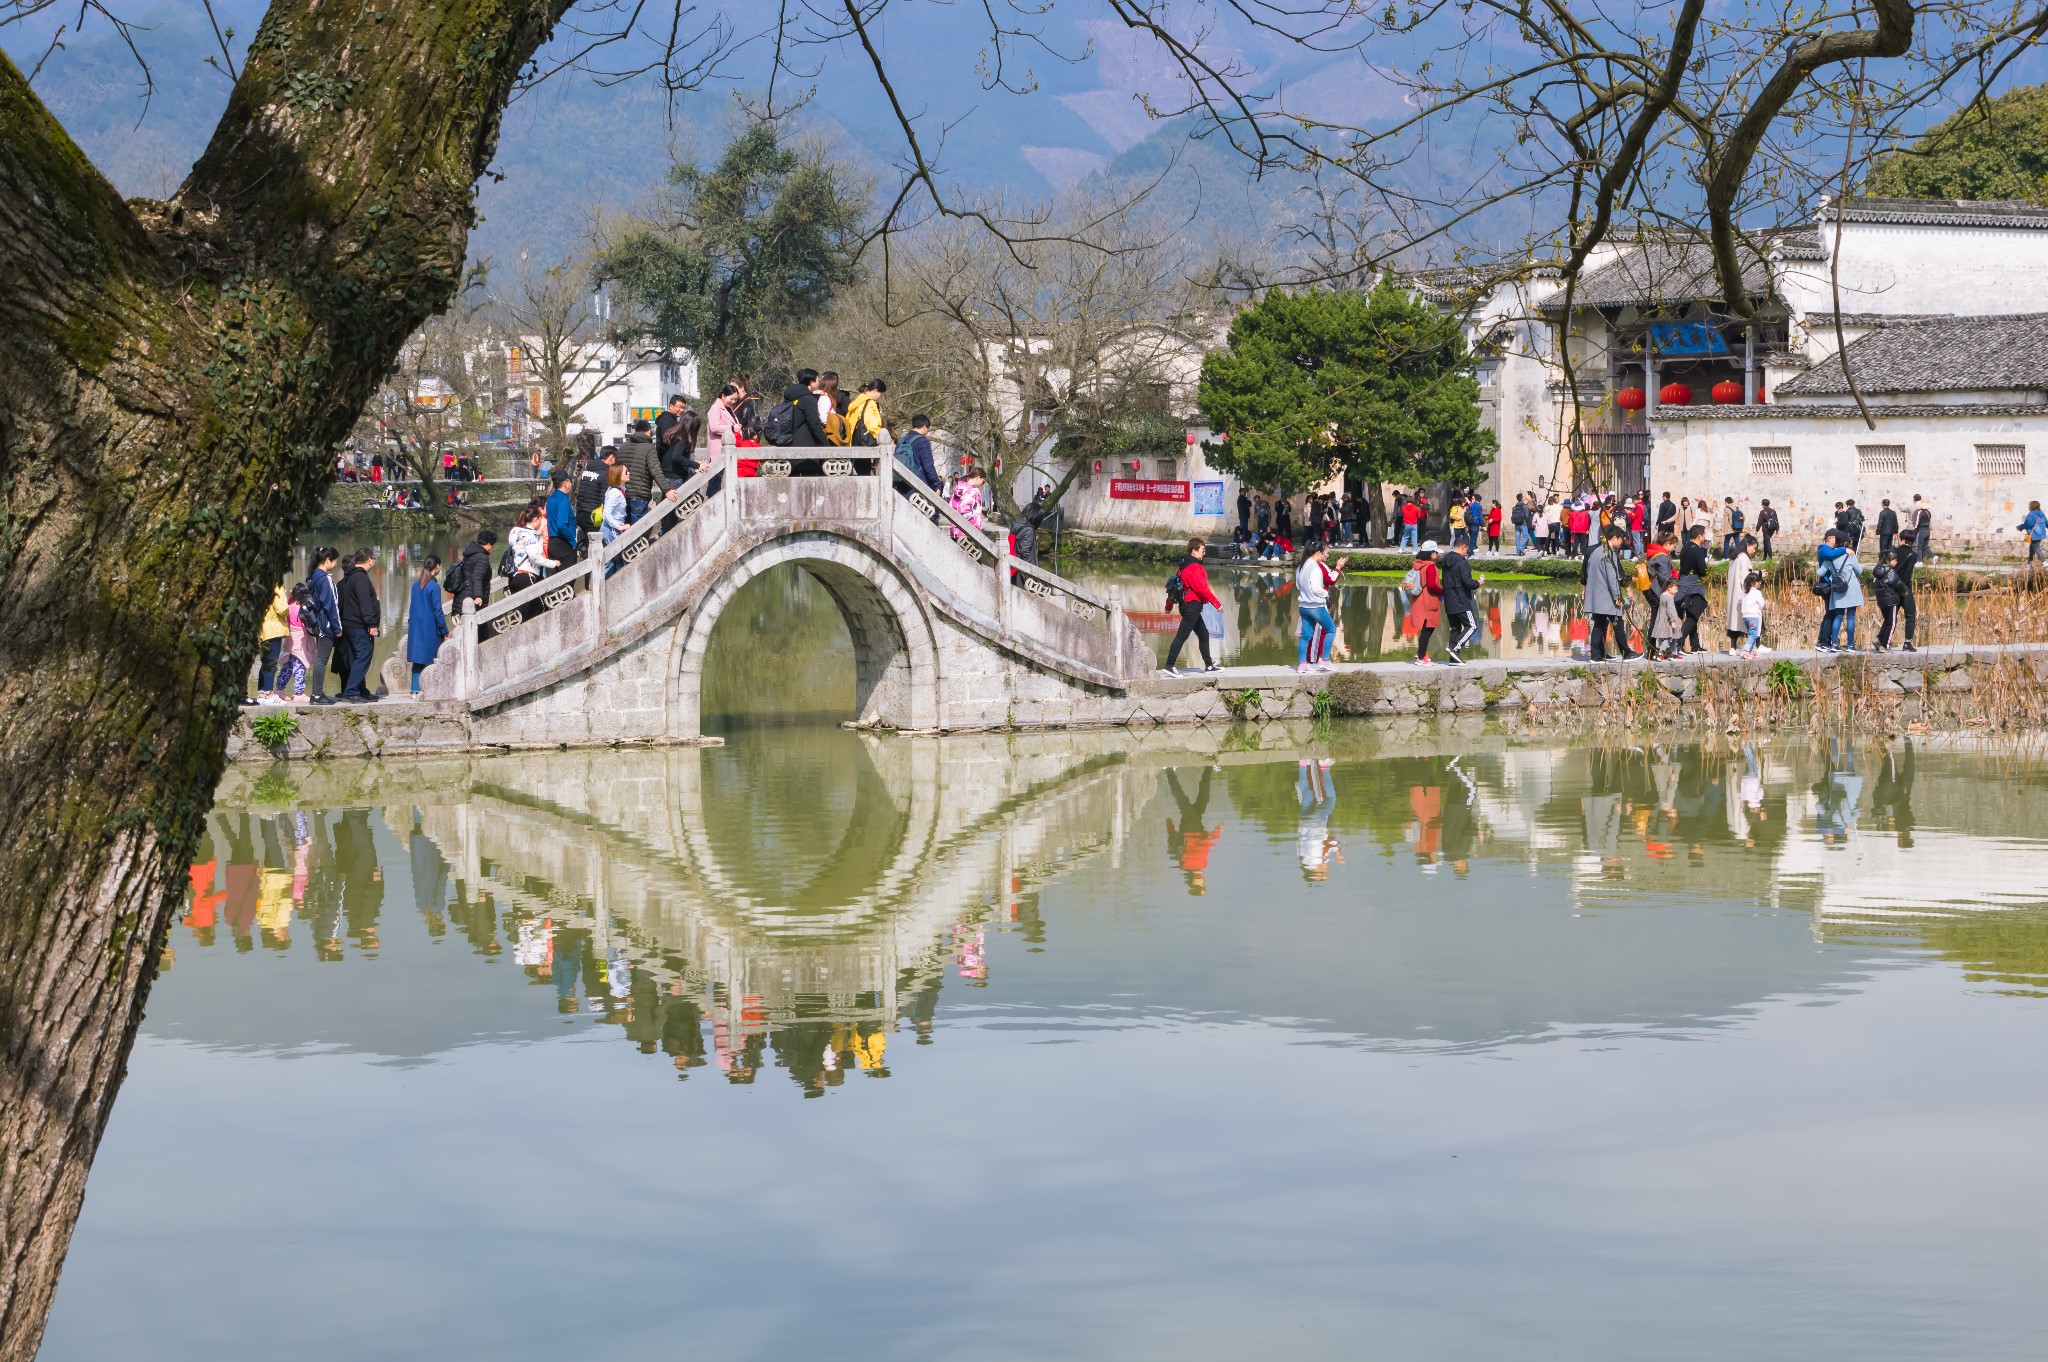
{"type": "Point", "coordinates": [1137, 489]}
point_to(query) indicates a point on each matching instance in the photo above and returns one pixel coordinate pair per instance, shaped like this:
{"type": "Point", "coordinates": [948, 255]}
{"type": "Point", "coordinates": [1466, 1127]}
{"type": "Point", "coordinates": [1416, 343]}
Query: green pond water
{"type": "Point", "coordinates": [1330, 1043]}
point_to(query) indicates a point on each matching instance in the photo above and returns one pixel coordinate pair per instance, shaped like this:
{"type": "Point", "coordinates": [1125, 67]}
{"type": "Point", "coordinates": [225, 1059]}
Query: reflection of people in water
{"type": "Point", "coordinates": [429, 878]}
{"type": "Point", "coordinates": [1190, 840]}
{"type": "Point", "coordinates": [1316, 784]}
{"type": "Point", "coordinates": [1891, 798]}
{"type": "Point", "coordinates": [1426, 824]}
{"type": "Point", "coordinates": [1835, 797]}
{"type": "Point", "coordinates": [1460, 820]}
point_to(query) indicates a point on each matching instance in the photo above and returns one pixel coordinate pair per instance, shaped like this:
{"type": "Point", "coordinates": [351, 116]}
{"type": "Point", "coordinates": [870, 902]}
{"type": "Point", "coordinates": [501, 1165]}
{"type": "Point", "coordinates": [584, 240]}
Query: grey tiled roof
{"type": "Point", "coordinates": [1938, 354]}
{"type": "Point", "coordinates": [1943, 212]}
{"type": "Point", "coordinates": [1667, 270]}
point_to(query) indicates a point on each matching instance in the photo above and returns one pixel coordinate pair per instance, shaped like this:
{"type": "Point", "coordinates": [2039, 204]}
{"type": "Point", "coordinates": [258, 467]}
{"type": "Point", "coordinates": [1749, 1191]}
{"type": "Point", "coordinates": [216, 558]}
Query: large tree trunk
{"type": "Point", "coordinates": [173, 381]}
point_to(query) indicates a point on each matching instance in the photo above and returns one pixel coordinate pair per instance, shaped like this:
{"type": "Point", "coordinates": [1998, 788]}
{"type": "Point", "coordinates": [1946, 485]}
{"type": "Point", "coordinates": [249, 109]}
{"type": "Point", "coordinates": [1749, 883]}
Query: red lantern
{"type": "Point", "coordinates": [1191, 437]}
{"type": "Point", "coordinates": [1675, 395]}
{"type": "Point", "coordinates": [1631, 399]}
{"type": "Point", "coordinates": [1727, 392]}
{"type": "Point", "coordinates": [1759, 394]}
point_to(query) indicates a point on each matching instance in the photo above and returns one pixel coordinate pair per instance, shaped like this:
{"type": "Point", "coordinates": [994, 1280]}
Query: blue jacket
{"type": "Point", "coordinates": [425, 623]}
{"type": "Point", "coordinates": [2036, 525]}
{"type": "Point", "coordinates": [915, 452]}
{"type": "Point", "coordinates": [562, 517]}
{"type": "Point", "coordinates": [323, 611]}
{"type": "Point", "coordinates": [1848, 590]}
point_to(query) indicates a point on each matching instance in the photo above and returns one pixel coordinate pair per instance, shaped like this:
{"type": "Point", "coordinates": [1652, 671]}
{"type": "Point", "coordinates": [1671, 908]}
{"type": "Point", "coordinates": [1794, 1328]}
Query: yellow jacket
{"type": "Point", "coordinates": [865, 413]}
{"type": "Point", "coordinates": [276, 624]}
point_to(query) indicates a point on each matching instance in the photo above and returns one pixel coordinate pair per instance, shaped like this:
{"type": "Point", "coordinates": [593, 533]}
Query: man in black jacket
{"type": "Point", "coordinates": [1025, 529]}
{"type": "Point", "coordinates": [590, 485]}
{"type": "Point", "coordinates": [1667, 518]}
{"type": "Point", "coordinates": [644, 472]}
{"type": "Point", "coordinates": [1855, 517]}
{"type": "Point", "coordinates": [1887, 526]}
{"type": "Point", "coordinates": [675, 435]}
{"type": "Point", "coordinates": [473, 573]}
{"type": "Point", "coordinates": [361, 617]}
{"type": "Point", "coordinates": [1461, 604]}
{"type": "Point", "coordinates": [1767, 524]}
{"type": "Point", "coordinates": [810, 423]}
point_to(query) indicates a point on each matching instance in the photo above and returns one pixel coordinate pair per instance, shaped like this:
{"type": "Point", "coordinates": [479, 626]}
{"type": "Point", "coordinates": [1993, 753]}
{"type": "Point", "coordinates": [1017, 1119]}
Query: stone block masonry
{"type": "Point", "coordinates": [998, 692]}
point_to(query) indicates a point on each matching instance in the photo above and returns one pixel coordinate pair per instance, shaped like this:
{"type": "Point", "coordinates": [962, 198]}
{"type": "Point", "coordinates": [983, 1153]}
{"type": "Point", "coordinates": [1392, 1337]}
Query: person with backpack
{"type": "Point", "coordinates": [1187, 591]}
{"type": "Point", "coordinates": [1518, 520]}
{"type": "Point", "coordinates": [323, 623]}
{"type": "Point", "coordinates": [526, 558]}
{"type": "Point", "coordinates": [1854, 513]}
{"type": "Point", "coordinates": [1767, 524]}
{"type": "Point", "coordinates": [590, 485]}
{"type": "Point", "coordinates": [470, 578]}
{"type": "Point", "coordinates": [1838, 583]}
{"type": "Point", "coordinates": [1893, 580]}
{"type": "Point", "coordinates": [1424, 587]}
{"type": "Point", "coordinates": [864, 416]}
{"type": "Point", "coordinates": [1024, 530]}
{"type": "Point", "coordinates": [914, 451]}
{"type": "Point", "coordinates": [1312, 583]}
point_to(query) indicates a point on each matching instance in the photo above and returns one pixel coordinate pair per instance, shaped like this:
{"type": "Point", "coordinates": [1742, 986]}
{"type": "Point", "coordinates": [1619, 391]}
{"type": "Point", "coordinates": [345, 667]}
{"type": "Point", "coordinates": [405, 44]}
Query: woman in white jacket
{"type": "Point", "coordinates": [1312, 583]}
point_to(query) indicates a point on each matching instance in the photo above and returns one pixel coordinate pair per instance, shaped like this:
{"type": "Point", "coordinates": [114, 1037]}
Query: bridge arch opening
{"type": "Point", "coordinates": [781, 656]}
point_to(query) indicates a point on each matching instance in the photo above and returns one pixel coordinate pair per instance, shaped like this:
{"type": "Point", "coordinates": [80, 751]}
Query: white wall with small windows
{"type": "Point", "coordinates": [1977, 469]}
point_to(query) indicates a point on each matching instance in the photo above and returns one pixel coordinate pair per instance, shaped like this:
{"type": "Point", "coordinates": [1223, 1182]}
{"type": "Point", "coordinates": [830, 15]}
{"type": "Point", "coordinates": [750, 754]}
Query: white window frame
{"type": "Point", "coordinates": [1881, 461]}
{"type": "Point", "coordinates": [2001, 461]}
{"type": "Point", "coordinates": [1770, 461]}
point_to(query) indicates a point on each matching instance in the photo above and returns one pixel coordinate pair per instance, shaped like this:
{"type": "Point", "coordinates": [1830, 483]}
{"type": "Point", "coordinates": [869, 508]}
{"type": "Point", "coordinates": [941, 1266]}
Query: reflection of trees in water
{"type": "Point", "coordinates": [780, 653]}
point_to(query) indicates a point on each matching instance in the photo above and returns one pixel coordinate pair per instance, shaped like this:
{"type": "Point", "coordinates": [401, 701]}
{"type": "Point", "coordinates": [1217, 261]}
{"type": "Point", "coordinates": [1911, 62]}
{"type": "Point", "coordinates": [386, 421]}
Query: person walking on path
{"type": "Point", "coordinates": [617, 515]}
{"type": "Point", "coordinates": [1692, 586]}
{"type": "Point", "coordinates": [1461, 602]}
{"type": "Point", "coordinates": [323, 623]}
{"type": "Point", "coordinates": [2035, 527]}
{"type": "Point", "coordinates": [472, 572]}
{"type": "Point", "coordinates": [1738, 578]}
{"type": "Point", "coordinates": [1603, 599]}
{"type": "Point", "coordinates": [1767, 524]}
{"type": "Point", "coordinates": [1841, 574]}
{"type": "Point", "coordinates": [915, 451]}
{"type": "Point", "coordinates": [1424, 585]}
{"type": "Point", "coordinates": [276, 631]}
{"type": "Point", "coordinates": [1750, 607]}
{"type": "Point", "coordinates": [1887, 527]}
{"type": "Point", "coordinates": [1539, 527]}
{"type": "Point", "coordinates": [1493, 528]}
{"type": "Point", "coordinates": [563, 532]}
{"type": "Point", "coordinates": [1892, 583]}
{"type": "Point", "coordinates": [1024, 529]}
{"type": "Point", "coordinates": [1312, 585]}
{"type": "Point", "coordinates": [361, 619]}
{"type": "Point", "coordinates": [1923, 528]}
{"type": "Point", "coordinates": [1664, 626]}
{"type": "Point", "coordinates": [1411, 522]}
{"type": "Point", "coordinates": [1188, 591]}
{"type": "Point", "coordinates": [426, 623]}
{"type": "Point", "coordinates": [1662, 573]}
{"type": "Point", "coordinates": [644, 473]}
{"type": "Point", "coordinates": [1667, 520]}
{"type": "Point", "coordinates": [297, 656]}
{"type": "Point", "coordinates": [530, 561]}
{"type": "Point", "coordinates": [589, 495]}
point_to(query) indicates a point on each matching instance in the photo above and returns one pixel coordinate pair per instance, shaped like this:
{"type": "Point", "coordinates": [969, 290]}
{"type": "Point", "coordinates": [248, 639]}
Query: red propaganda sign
{"type": "Point", "coordinates": [1137, 489]}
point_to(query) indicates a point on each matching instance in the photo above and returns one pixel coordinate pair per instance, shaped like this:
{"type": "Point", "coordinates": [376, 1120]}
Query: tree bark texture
{"type": "Point", "coordinates": [174, 379]}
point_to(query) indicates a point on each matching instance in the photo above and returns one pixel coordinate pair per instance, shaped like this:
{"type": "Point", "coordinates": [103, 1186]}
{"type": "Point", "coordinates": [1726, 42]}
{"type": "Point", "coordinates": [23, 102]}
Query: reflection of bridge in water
{"type": "Point", "coordinates": [686, 893]}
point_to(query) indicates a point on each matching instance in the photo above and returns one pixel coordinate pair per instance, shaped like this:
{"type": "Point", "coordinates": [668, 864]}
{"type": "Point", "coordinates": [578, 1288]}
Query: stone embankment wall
{"type": "Point", "coordinates": [1999, 686]}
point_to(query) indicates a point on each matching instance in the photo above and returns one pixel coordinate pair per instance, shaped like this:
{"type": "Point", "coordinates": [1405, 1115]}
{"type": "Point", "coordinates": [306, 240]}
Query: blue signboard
{"type": "Point", "coordinates": [1209, 498]}
{"type": "Point", "coordinates": [1687, 338]}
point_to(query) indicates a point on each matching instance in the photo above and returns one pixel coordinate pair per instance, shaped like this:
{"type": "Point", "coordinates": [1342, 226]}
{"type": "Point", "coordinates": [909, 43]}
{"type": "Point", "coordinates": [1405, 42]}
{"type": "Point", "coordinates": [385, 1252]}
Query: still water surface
{"type": "Point", "coordinates": [1093, 1045]}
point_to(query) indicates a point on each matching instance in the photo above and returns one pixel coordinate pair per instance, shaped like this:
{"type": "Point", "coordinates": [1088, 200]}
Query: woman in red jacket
{"type": "Point", "coordinates": [1428, 610]}
{"type": "Point", "coordinates": [1194, 593]}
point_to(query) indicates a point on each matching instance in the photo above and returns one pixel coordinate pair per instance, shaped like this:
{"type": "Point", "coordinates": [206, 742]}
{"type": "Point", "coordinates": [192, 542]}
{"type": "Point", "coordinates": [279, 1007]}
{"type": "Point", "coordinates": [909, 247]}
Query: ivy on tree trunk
{"type": "Point", "coordinates": [175, 379]}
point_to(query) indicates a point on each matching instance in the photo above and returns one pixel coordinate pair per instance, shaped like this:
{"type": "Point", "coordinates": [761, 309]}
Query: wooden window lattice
{"type": "Point", "coordinates": [1881, 460]}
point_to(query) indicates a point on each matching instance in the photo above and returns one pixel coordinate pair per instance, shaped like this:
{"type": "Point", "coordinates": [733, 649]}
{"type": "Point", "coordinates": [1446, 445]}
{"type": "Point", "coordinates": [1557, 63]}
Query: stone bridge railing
{"type": "Point", "coordinates": [665, 563]}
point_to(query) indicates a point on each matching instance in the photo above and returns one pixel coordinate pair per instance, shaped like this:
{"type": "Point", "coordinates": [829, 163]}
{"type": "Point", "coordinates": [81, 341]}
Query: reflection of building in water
{"type": "Point", "coordinates": [644, 890]}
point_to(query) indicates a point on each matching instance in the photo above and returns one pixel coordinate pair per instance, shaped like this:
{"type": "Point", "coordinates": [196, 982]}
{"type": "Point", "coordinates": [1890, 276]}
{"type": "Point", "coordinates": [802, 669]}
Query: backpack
{"type": "Point", "coordinates": [1824, 582]}
{"type": "Point", "coordinates": [451, 580]}
{"type": "Point", "coordinates": [1412, 583]}
{"type": "Point", "coordinates": [1885, 576]}
{"type": "Point", "coordinates": [1176, 591]}
{"type": "Point", "coordinates": [780, 427]}
{"type": "Point", "coordinates": [505, 563]}
{"type": "Point", "coordinates": [1735, 520]}
{"type": "Point", "coordinates": [1642, 577]}
{"type": "Point", "coordinates": [1520, 515]}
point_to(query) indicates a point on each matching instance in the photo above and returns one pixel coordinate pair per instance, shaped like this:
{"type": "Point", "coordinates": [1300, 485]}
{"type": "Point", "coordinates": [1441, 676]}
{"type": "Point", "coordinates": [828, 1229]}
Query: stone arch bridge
{"type": "Point", "coordinates": [949, 632]}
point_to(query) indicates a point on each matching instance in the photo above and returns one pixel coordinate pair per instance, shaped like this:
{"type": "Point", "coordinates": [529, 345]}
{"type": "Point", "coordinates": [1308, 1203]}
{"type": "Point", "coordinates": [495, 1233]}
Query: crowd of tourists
{"type": "Point", "coordinates": [590, 499]}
